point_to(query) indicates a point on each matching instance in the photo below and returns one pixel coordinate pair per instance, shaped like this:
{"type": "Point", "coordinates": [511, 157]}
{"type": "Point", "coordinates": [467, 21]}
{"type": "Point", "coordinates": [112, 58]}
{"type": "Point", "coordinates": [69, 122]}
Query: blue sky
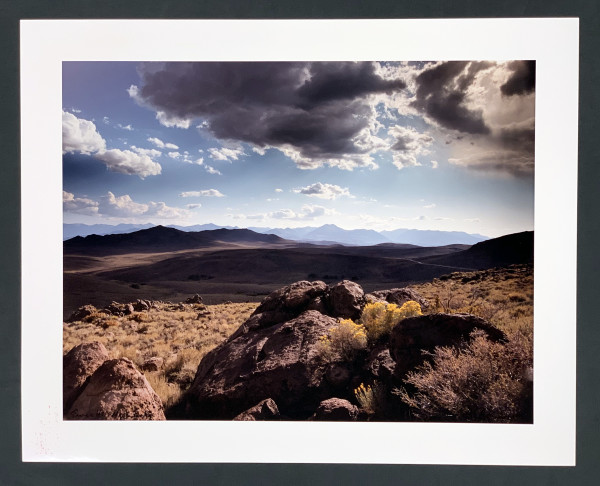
{"type": "Point", "coordinates": [440, 145]}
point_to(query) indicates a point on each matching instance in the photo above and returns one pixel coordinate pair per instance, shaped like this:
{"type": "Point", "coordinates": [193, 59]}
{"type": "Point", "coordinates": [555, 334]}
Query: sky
{"type": "Point", "coordinates": [376, 145]}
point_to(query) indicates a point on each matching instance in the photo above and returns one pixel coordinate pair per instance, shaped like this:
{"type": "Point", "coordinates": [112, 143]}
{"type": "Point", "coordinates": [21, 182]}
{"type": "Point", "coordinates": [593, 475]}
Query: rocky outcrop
{"type": "Point", "coordinates": [265, 410]}
{"type": "Point", "coordinates": [397, 296]}
{"type": "Point", "coordinates": [278, 361]}
{"type": "Point", "coordinates": [336, 409]}
{"type": "Point", "coordinates": [346, 299]}
{"type": "Point", "coordinates": [78, 365]}
{"type": "Point", "coordinates": [410, 336]}
{"type": "Point", "coordinates": [82, 313]}
{"type": "Point", "coordinates": [117, 391]}
{"type": "Point", "coordinates": [196, 299]}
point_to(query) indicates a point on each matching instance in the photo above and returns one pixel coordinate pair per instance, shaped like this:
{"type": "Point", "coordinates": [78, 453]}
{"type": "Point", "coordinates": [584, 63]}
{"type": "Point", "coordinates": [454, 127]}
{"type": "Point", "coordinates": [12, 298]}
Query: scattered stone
{"type": "Point", "coordinates": [336, 409]}
{"type": "Point", "coordinates": [153, 364]}
{"type": "Point", "coordinates": [142, 305]}
{"type": "Point", "coordinates": [81, 313]}
{"type": "Point", "coordinates": [265, 410]}
{"type": "Point", "coordinates": [398, 297]}
{"type": "Point", "coordinates": [117, 391]}
{"type": "Point", "coordinates": [196, 299]}
{"type": "Point", "coordinates": [128, 309]}
{"type": "Point", "coordinates": [78, 365]}
{"type": "Point", "coordinates": [346, 299]}
{"type": "Point", "coordinates": [414, 334]}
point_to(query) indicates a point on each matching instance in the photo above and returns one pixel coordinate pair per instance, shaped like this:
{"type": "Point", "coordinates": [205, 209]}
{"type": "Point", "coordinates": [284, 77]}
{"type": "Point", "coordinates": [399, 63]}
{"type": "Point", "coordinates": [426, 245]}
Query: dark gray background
{"type": "Point", "coordinates": [13, 472]}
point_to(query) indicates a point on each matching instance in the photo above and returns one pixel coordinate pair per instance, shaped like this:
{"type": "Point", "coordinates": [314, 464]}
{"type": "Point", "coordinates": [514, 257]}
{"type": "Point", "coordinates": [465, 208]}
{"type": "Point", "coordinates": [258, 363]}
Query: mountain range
{"type": "Point", "coordinates": [325, 234]}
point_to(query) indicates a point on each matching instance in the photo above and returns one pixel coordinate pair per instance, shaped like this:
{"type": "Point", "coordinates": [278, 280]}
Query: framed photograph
{"type": "Point", "coordinates": [347, 237]}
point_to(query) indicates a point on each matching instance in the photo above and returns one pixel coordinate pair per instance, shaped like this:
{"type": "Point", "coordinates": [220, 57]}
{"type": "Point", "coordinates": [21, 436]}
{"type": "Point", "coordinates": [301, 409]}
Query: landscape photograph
{"type": "Point", "coordinates": [298, 241]}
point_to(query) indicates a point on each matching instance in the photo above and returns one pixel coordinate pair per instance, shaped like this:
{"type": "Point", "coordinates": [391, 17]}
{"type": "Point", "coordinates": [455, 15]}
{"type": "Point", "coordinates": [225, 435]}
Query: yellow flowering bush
{"type": "Point", "coordinates": [370, 398]}
{"type": "Point", "coordinates": [343, 341]}
{"type": "Point", "coordinates": [379, 318]}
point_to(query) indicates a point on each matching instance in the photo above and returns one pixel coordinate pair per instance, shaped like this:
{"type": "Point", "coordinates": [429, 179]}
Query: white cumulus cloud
{"type": "Point", "coordinates": [205, 193]}
{"type": "Point", "coordinates": [79, 205]}
{"type": "Point", "coordinates": [225, 153]}
{"type": "Point", "coordinates": [324, 191]}
{"type": "Point", "coordinates": [128, 162]}
{"type": "Point", "coordinates": [80, 135]}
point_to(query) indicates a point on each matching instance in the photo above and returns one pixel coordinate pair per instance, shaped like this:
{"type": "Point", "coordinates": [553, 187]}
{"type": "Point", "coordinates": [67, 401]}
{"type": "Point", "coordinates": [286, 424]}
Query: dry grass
{"type": "Point", "coordinates": [504, 296]}
{"type": "Point", "coordinates": [180, 334]}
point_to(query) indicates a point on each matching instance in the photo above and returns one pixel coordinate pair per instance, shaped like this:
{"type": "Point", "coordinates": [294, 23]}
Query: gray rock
{"type": "Point", "coordinates": [346, 299]}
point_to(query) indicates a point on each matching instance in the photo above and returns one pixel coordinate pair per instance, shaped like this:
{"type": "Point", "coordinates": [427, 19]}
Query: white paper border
{"type": "Point", "coordinates": [553, 43]}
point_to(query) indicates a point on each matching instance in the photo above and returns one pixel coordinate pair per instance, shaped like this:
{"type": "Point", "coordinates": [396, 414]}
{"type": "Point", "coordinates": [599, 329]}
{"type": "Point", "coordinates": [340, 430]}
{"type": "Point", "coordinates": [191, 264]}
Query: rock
{"type": "Point", "coordinates": [294, 298]}
{"type": "Point", "coordinates": [336, 409]}
{"type": "Point", "coordinates": [142, 305]}
{"type": "Point", "coordinates": [346, 299]}
{"type": "Point", "coordinates": [153, 364]}
{"type": "Point", "coordinates": [81, 313]}
{"type": "Point", "coordinates": [338, 374]}
{"type": "Point", "coordinates": [280, 362]}
{"type": "Point", "coordinates": [398, 297]}
{"type": "Point", "coordinates": [380, 364]}
{"type": "Point", "coordinates": [414, 334]}
{"type": "Point", "coordinates": [265, 410]}
{"type": "Point", "coordinates": [196, 299]}
{"type": "Point", "coordinates": [117, 391]}
{"type": "Point", "coordinates": [78, 365]}
{"type": "Point", "coordinates": [128, 310]}
{"type": "Point", "coordinates": [115, 309]}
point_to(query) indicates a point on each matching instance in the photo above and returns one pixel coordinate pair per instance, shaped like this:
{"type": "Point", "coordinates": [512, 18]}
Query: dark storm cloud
{"type": "Point", "coordinates": [441, 93]}
{"type": "Point", "coordinates": [522, 80]}
{"type": "Point", "coordinates": [315, 109]}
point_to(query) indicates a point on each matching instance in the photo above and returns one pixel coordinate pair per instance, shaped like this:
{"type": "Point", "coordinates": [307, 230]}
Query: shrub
{"type": "Point", "coordinates": [343, 341]}
{"type": "Point", "coordinates": [370, 398]}
{"type": "Point", "coordinates": [379, 318]}
{"type": "Point", "coordinates": [482, 382]}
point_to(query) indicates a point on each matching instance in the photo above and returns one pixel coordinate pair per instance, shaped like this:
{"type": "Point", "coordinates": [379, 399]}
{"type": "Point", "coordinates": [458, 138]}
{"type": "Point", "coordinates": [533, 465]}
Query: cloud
{"type": "Point", "coordinates": [474, 107]}
{"type": "Point", "coordinates": [522, 80]}
{"type": "Point", "coordinates": [324, 191]}
{"type": "Point", "coordinates": [124, 207]}
{"type": "Point", "coordinates": [225, 153]}
{"type": "Point", "coordinates": [193, 206]}
{"type": "Point", "coordinates": [79, 205]}
{"type": "Point", "coordinates": [307, 212]}
{"type": "Point", "coordinates": [80, 135]}
{"type": "Point", "coordinates": [125, 127]}
{"type": "Point", "coordinates": [163, 118]}
{"type": "Point", "coordinates": [472, 220]}
{"type": "Point", "coordinates": [212, 170]}
{"type": "Point", "coordinates": [434, 164]}
{"type": "Point", "coordinates": [278, 190]}
{"type": "Point", "coordinates": [152, 153]}
{"type": "Point", "coordinates": [106, 120]}
{"type": "Point", "coordinates": [174, 155]}
{"type": "Point", "coordinates": [316, 113]}
{"type": "Point", "coordinates": [408, 145]}
{"type": "Point", "coordinates": [203, 193]}
{"type": "Point", "coordinates": [128, 162]}
{"type": "Point", "coordinates": [160, 144]}
{"type": "Point", "coordinates": [75, 110]}
{"type": "Point", "coordinates": [430, 206]}
{"type": "Point", "coordinates": [442, 91]}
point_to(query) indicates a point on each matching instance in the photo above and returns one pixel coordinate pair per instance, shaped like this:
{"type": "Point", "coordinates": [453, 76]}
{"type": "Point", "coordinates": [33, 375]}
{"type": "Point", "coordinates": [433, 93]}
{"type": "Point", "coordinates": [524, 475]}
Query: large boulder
{"type": "Point", "coordinates": [265, 410]}
{"type": "Point", "coordinates": [117, 391]}
{"type": "Point", "coordinates": [336, 409]}
{"type": "Point", "coordinates": [78, 365]}
{"type": "Point", "coordinates": [280, 362]}
{"type": "Point", "coordinates": [414, 334]}
{"type": "Point", "coordinates": [398, 297]}
{"type": "Point", "coordinates": [346, 299]}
